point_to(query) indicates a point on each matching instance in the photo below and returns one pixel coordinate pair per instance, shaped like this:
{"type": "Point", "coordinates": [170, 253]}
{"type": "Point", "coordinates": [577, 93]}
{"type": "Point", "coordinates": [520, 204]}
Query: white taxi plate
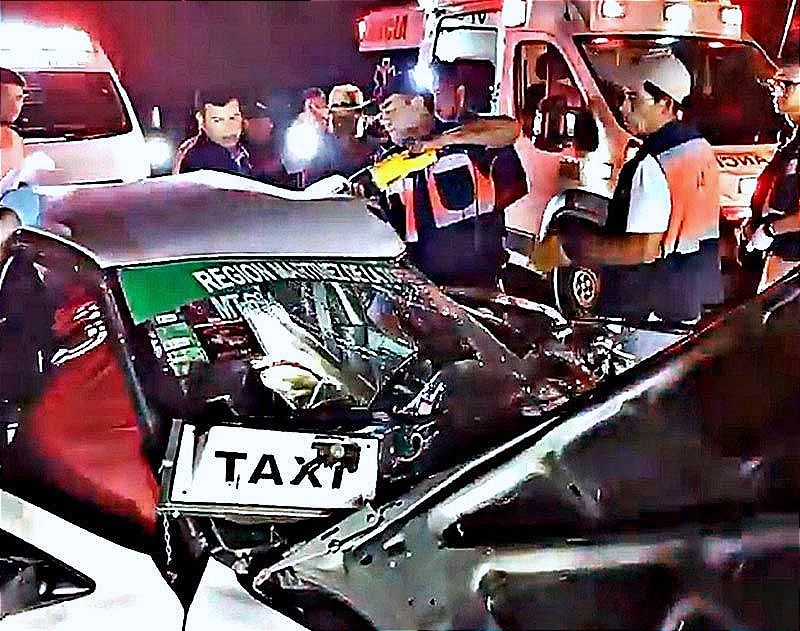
{"type": "Point", "coordinates": [231, 465]}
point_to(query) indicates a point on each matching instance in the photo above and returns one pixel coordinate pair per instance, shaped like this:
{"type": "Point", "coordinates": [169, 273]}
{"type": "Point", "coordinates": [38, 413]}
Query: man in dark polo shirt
{"type": "Point", "coordinates": [217, 146]}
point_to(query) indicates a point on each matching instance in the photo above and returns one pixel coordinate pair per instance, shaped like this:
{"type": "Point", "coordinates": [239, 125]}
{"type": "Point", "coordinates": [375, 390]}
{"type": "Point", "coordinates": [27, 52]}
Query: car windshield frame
{"type": "Point", "coordinates": [142, 306]}
{"type": "Point", "coordinates": [73, 124]}
{"type": "Point", "coordinates": [717, 134]}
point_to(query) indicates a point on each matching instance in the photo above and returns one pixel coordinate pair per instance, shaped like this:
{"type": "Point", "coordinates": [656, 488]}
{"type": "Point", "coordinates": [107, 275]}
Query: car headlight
{"type": "Point", "coordinates": [159, 151]}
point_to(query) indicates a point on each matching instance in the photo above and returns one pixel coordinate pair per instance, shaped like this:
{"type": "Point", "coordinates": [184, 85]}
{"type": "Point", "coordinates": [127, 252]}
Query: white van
{"type": "Point", "coordinates": [76, 110]}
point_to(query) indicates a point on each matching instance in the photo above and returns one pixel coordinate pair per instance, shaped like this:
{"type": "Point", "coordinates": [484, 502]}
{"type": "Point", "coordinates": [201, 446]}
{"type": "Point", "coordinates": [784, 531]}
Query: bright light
{"type": "Point", "coordinates": [515, 12]}
{"type": "Point", "coordinates": [612, 9]}
{"type": "Point", "coordinates": [666, 41]}
{"type": "Point", "coordinates": [570, 120]}
{"type": "Point", "coordinates": [302, 142]}
{"type": "Point", "coordinates": [716, 44]}
{"type": "Point", "coordinates": [159, 151]}
{"type": "Point", "coordinates": [29, 44]}
{"type": "Point", "coordinates": [155, 117]}
{"type": "Point", "coordinates": [600, 40]}
{"type": "Point", "coordinates": [678, 14]}
{"type": "Point", "coordinates": [422, 74]}
{"type": "Point", "coordinates": [747, 185]}
{"type": "Point", "coordinates": [362, 29]}
{"type": "Point", "coordinates": [731, 16]}
{"type": "Point", "coordinates": [427, 5]}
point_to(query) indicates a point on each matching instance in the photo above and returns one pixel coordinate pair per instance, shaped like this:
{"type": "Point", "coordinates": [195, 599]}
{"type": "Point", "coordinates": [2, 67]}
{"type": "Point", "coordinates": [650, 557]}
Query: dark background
{"type": "Point", "coordinates": [165, 50]}
{"type": "Point", "coordinates": [271, 51]}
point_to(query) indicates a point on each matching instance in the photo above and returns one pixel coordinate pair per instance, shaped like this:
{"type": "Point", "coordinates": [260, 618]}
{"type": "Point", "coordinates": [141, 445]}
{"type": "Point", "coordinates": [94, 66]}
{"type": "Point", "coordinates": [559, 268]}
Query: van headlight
{"type": "Point", "coordinates": [159, 151]}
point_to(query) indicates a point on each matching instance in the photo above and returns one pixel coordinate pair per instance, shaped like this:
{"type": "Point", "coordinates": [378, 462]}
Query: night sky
{"type": "Point", "coordinates": [165, 50]}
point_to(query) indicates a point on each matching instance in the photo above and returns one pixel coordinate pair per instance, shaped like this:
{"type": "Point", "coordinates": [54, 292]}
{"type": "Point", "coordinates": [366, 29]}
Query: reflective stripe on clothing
{"type": "Point", "coordinates": [450, 205]}
{"type": "Point", "coordinates": [457, 191]}
{"type": "Point", "coordinates": [693, 178]}
{"type": "Point", "coordinates": [676, 191]}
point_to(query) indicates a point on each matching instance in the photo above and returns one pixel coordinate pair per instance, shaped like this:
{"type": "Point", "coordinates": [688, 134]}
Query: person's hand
{"type": "Point", "coordinates": [405, 116]}
{"type": "Point", "coordinates": [760, 240]}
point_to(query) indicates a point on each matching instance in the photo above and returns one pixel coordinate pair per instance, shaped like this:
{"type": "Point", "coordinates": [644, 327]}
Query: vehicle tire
{"type": "Point", "coordinates": [577, 290]}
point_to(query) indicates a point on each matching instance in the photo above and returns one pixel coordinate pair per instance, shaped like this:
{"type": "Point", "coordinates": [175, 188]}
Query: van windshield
{"type": "Point", "coordinates": [73, 105]}
{"type": "Point", "coordinates": [730, 102]}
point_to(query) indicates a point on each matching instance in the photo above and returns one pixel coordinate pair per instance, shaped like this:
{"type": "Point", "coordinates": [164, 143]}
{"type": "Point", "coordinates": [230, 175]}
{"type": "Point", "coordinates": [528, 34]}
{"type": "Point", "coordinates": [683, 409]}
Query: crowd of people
{"type": "Point", "coordinates": [323, 139]}
{"type": "Point", "coordinates": [658, 252]}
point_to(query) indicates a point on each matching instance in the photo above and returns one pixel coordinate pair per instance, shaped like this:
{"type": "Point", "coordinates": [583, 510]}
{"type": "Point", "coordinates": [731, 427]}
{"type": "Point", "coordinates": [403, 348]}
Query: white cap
{"type": "Point", "coordinates": [346, 96]}
{"type": "Point", "coordinates": [663, 70]}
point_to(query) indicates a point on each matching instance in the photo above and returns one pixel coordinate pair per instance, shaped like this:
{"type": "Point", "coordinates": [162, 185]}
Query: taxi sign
{"type": "Point", "coordinates": [233, 466]}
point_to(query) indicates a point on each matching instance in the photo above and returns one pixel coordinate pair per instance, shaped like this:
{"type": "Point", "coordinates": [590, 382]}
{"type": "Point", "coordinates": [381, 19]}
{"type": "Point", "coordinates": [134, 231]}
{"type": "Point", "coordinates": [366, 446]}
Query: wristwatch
{"type": "Point", "coordinates": [769, 229]}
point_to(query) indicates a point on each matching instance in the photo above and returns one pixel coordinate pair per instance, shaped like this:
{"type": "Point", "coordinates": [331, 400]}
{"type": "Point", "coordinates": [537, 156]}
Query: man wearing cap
{"type": "Point", "coordinates": [658, 253]}
{"type": "Point", "coordinates": [352, 151]}
{"type": "Point", "coordinates": [265, 159]}
{"type": "Point", "coordinates": [775, 203]}
{"type": "Point", "coordinates": [217, 145]}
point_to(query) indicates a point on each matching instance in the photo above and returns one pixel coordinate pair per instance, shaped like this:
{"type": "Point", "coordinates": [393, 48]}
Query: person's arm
{"type": "Point", "coordinates": [789, 223]}
{"type": "Point", "coordinates": [765, 234]}
{"type": "Point", "coordinates": [11, 151]}
{"type": "Point", "coordinates": [494, 132]}
{"type": "Point", "coordinates": [9, 221]}
{"type": "Point", "coordinates": [589, 246]}
{"type": "Point", "coordinates": [180, 154]}
{"type": "Point", "coordinates": [646, 224]}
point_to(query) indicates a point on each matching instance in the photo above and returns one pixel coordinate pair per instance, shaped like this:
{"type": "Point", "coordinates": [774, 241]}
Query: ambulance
{"type": "Point", "coordinates": [553, 69]}
{"type": "Point", "coordinates": [76, 110]}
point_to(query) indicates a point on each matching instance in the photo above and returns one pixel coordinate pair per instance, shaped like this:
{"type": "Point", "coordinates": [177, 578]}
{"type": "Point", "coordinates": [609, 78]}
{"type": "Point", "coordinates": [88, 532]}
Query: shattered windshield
{"type": "Point", "coordinates": [730, 102]}
{"type": "Point", "coordinates": [306, 333]}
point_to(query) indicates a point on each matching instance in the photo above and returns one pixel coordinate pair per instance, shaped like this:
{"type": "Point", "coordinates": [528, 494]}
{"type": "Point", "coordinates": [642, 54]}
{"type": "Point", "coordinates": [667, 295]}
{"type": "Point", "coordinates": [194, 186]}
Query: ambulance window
{"type": "Point", "coordinates": [72, 105]}
{"type": "Point", "coordinates": [541, 72]}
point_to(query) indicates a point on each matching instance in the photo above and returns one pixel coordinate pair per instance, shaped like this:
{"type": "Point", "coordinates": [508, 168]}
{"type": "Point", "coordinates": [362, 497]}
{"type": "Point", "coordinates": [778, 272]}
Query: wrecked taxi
{"type": "Point", "coordinates": [225, 406]}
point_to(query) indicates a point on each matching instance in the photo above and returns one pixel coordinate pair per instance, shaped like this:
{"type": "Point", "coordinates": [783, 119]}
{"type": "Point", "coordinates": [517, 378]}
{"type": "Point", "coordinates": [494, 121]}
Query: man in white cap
{"type": "Point", "coordinates": [776, 202]}
{"type": "Point", "coordinates": [658, 253]}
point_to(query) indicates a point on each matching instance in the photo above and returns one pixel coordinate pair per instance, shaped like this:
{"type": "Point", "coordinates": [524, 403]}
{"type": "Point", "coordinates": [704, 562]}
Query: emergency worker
{"type": "Point", "coordinates": [12, 86]}
{"type": "Point", "coordinates": [453, 210]}
{"type": "Point", "coordinates": [658, 253]}
{"type": "Point", "coordinates": [217, 145]}
{"type": "Point", "coordinates": [775, 203]}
